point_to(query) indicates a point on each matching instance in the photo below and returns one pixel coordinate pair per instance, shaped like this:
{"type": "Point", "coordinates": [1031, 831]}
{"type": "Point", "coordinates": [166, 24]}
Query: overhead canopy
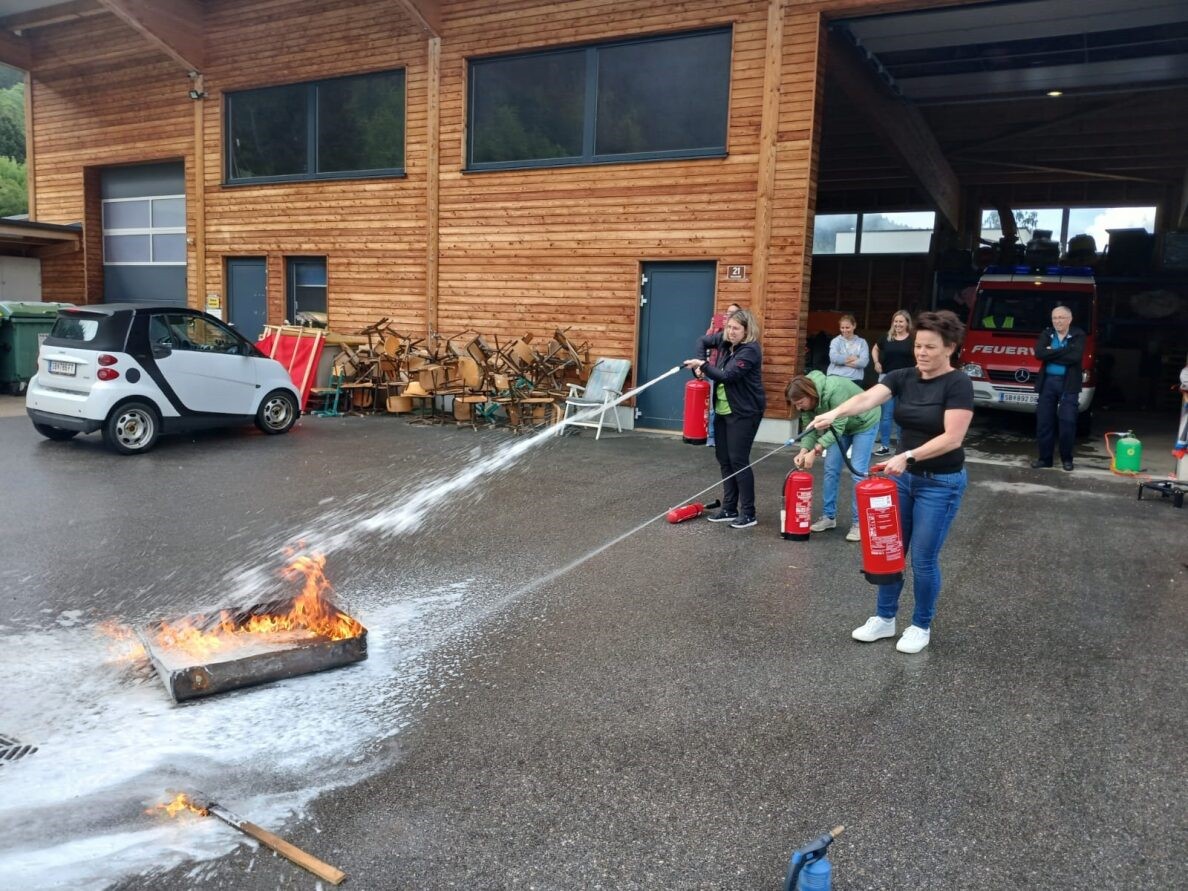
{"type": "Point", "coordinates": [25, 239]}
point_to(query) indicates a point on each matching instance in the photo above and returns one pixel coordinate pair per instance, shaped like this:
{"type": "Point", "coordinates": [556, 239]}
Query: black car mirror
{"type": "Point", "coordinates": [161, 349]}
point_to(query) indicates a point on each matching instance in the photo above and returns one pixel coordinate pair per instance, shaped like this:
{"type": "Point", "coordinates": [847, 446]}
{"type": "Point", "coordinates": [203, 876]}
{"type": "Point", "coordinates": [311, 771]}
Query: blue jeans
{"type": "Point", "coordinates": [886, 422]}
{"type": "Point", "coordinates": [927, 506]}
{"type": "Point", "coordinates": [860, 445]}
{"type": "Point", "coordinates": [1056, 418]}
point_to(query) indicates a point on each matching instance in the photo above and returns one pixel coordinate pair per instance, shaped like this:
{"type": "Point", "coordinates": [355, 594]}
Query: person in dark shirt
{"type": "Point", "coordinates": [891, 353]}
{"type": "Point", "coordinates": [1059, 349]}
{"type": "Point", "coordinates": [933, 407]}
{"type": "Point", "coordinates": [736, 379]}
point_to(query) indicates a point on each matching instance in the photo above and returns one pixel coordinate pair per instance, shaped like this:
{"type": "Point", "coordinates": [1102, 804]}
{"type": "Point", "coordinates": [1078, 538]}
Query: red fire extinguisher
{"type": "Point", "coordinates": [798, 505]}
{"type": "Point", "coordinates": [696, 426]}
{"type": "Point", "coordinates": [882, 534]}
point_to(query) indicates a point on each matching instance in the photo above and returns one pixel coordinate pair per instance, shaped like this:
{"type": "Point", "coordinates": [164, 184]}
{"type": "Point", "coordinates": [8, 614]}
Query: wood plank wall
{"type": "Point", "coordinates": [518, 250]}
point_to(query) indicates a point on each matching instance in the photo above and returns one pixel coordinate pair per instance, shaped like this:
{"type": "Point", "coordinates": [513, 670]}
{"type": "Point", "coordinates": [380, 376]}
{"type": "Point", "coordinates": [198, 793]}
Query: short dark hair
{"type": "Point", "coordinates": [945, 323]}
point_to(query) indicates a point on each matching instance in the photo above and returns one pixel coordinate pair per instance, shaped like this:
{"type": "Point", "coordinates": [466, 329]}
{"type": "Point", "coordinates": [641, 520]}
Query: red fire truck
{"type": "Point", "coordinates": [1013, 305]}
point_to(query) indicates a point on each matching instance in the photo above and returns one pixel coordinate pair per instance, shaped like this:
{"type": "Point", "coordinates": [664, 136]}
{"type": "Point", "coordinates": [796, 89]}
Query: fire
{"type": "Point", "coordinates": [311, 613]}
{"type": "Point", "coordinates": [124, 646]}
{"type": "Point", "coordinates": [181, 802]}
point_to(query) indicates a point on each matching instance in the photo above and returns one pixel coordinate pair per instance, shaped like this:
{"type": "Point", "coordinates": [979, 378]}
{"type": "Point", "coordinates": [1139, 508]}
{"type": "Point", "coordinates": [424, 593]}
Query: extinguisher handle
{"type": "Point", "coordinates": [877, 468]}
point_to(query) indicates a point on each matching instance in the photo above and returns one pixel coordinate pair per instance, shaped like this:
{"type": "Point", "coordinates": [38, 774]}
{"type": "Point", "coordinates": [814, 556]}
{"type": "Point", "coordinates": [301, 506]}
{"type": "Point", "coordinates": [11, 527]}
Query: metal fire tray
{"type": "Point", "coordinates": [254, 659]}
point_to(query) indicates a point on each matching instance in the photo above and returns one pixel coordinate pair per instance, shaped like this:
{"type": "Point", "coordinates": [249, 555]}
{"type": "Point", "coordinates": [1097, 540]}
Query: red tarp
{"type": "Point", "coordinates": [298, 349]}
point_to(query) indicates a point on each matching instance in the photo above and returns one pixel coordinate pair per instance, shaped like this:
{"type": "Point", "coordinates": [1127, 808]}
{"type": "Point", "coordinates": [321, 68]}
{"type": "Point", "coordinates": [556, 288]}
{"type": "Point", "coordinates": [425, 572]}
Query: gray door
{"type": "Point", "coordinates": [144, 233]}
{"type": "Point", "coordinates": [247, 307]}
{"type": "Point", "coordinates": [678, 302]}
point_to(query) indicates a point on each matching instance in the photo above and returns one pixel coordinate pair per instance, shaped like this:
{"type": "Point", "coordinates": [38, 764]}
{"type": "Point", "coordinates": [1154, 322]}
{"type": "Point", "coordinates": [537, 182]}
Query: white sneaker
{"type": "Point", "coordinates": [854, 534]}
{"type": "Point", "coordinates": [913, 640]}
{"type": "Point", "coordinates": [876, 628]}
{"type": "Point", "coordinates": [822, 524]}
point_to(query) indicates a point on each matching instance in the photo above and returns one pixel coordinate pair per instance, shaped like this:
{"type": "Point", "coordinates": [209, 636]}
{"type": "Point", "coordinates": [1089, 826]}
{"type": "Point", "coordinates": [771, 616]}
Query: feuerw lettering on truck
{"type": "Point", "coordinates": [1012, 308]}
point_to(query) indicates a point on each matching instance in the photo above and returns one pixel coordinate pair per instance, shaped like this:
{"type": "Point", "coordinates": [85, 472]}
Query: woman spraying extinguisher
{"type": "Point", "coordinates": [933, 406]}
{"type": "Point", "coordinates": [736, 377]}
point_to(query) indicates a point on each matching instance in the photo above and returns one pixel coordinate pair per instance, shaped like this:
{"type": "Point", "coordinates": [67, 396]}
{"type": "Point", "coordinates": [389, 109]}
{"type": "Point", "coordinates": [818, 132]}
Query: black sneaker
{"type": "Point", "coordinates": [882, 450]}
{"type": "Point", "coordinates": [723, 516]}
{"type": "Point", "coordinates": [744, 522]}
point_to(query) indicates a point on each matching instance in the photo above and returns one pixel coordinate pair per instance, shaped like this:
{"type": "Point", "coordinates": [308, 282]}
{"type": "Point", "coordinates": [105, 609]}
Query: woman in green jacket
{"type": "Point", "coordinates": [812, 394]}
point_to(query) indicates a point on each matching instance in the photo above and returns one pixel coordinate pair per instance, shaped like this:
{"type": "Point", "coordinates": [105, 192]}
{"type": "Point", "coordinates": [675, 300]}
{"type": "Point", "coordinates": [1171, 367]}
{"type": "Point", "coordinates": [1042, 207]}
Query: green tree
{"type": "Point", "coordinates": [12, 122]}
{"type": "Point", "coordinates": [14, 198]}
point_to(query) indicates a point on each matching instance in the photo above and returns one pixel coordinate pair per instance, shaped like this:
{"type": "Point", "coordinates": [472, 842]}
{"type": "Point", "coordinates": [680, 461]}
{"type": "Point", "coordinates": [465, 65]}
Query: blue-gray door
{"type": "Point", "coordinates": [678, 303]}
{"type": "Point", "coordinates": [247, 307]}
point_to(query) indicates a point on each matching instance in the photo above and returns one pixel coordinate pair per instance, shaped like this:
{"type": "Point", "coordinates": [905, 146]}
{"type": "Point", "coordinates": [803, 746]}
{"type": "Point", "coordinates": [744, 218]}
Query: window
{"type": "Point", "coordinates": [1066, 222]}
{"type": "Point", "coordinates": [350, 126]}
{"type": "Point", "coordinates": [144, 231]}
{"type": "Point", "coordinates": [307, 287]}
{"type": "Point", "coordinates": [664, 97]}
{"type": "Point", "coordinates": [192, 334]}
{"type": "Point", "coordinates": [909, 232]}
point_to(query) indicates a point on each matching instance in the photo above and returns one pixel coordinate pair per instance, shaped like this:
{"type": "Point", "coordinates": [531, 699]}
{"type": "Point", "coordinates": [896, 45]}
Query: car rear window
{"type": "Point", "coordinates": [75, 328]}
{"type": "Point", "coordinates": [90, 330]}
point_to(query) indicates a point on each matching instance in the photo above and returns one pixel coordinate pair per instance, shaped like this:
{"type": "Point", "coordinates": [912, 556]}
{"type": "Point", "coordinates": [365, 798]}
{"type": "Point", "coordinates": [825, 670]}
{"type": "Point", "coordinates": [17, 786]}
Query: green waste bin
{"type": "Point", "coordinates": [23, 327]}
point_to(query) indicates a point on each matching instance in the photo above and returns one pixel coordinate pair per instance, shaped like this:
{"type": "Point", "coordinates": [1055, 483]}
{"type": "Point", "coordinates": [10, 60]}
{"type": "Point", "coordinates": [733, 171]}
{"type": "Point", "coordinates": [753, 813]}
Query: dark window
{"type": "Point", "coordinates": [1027, 312]}
{"type": "Point", "coordinates": [334, 128]}
{"type": "Point", "coordinates": [307, 289]}
{"type": "Point", "coordinates": [665, 97]}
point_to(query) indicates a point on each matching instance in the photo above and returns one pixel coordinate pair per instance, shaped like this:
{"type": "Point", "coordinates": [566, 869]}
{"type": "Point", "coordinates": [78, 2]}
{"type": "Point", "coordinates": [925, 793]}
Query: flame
{"type": "Point", "coordinates": [124, 646]}
{"type": "Point", "coordinates": [311, 611]}
{"type": "Point", "coordinates": [180, 803]}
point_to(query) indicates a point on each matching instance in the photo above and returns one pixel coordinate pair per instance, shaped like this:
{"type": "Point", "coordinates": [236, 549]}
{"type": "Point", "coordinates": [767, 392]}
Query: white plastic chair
{"type": "Point", "coordinates": [604, 386]}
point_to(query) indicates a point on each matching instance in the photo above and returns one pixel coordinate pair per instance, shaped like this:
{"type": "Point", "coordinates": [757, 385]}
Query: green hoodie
{"type": "Point", "coordinates": [833, 391]}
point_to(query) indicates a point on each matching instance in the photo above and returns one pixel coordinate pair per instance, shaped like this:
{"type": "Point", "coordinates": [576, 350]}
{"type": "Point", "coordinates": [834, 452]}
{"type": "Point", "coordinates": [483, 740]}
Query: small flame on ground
{"type": "Point", "coordinates": [181, 802]}
{"type": "Point", "coordinates": [124, 646]}
{"type": "Point", "coordinates": [311, 612]}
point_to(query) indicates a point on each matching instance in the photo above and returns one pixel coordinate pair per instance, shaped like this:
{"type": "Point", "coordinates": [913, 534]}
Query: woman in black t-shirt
{"type": "Point", "coordinates": [891, 353]}
{"type": "Point", "coordinates": [933, 406]}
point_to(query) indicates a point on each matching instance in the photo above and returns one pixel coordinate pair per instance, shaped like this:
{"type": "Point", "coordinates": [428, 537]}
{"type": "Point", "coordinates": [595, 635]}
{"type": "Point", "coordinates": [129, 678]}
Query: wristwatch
{"type": "Point", "coordinates": [911, 459]}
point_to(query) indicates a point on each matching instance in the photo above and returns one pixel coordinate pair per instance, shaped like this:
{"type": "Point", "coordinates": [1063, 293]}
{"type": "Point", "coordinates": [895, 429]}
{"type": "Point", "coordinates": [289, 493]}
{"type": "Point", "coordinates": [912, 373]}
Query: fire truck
{"type": "Point", "coordinates": [1012, 306]}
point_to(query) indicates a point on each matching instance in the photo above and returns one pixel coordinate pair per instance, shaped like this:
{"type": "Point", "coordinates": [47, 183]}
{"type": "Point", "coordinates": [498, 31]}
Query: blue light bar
{"type": "Point", "coordinates": [1039, 270]}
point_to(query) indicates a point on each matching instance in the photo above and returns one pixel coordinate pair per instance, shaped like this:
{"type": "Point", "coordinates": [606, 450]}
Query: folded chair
{"type": "Point", "coordinates": [603, 387]}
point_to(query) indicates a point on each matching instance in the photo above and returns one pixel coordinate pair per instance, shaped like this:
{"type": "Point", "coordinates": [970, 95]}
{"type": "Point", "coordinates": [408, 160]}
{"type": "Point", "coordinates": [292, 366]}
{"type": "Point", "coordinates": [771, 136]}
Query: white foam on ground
{"type": "Point", "coordinates": [112, 744]}
{"type": "Point", "coordinates": [1036, 489]}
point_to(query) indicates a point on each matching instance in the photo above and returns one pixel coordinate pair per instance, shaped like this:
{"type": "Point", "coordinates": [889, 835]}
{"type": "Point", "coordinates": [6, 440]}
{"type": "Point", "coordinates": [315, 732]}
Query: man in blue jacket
{"type": "Point", "coordinates": [1059, 350]}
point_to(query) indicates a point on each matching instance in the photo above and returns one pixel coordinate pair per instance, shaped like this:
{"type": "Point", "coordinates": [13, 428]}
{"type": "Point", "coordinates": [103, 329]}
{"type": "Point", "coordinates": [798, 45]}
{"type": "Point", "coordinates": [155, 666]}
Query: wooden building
{"type": "Point", "coordinates": [389, 159]}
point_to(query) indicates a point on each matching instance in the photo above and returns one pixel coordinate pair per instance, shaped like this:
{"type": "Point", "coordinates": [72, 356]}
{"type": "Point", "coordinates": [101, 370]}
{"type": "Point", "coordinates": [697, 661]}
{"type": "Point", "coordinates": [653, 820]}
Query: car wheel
{"type": "Point", "coordinates": [57, 434]}
{"type": "Point", "coordinates": [277, 412]}
{"type": "Point", "coordinates": [132, 428]}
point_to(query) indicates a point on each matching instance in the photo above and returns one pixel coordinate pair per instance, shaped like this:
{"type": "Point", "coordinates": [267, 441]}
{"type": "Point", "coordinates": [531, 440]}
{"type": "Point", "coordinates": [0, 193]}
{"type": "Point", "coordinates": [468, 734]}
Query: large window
{"type": "Point", "coordinates": [1066, 222]}
{"type": "Point", "coordinates": [909, 232]}
{"type": "Point", "coordinates": [350, 126]}
{"type": "Point", "coordinates": [664, 97]}
{"type": "Point", "coordinates": [144, 231]}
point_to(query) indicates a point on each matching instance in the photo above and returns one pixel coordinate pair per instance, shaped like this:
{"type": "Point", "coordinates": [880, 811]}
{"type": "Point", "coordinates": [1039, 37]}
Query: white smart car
{"type": "Point", "coordinates": [135, 371]}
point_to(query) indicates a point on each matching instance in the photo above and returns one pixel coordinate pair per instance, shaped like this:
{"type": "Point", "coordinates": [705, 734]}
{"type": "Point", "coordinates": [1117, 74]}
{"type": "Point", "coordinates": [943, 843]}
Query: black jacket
{"type": "Point", "coordinates": [1068, 355]}
{"type": "Point", "coordinates": [740, 370]}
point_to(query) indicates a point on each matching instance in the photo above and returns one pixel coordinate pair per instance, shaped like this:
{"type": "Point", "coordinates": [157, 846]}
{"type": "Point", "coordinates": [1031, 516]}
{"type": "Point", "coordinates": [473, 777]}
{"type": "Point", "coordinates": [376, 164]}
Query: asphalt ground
{"type": "Point", "coordinates": [680, 710]}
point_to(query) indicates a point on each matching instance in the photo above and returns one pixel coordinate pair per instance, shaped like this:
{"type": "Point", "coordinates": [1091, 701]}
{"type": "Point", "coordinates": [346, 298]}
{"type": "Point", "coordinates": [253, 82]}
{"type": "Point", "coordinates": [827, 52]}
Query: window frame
{"type": "Point", "coordinates": [860, 230]}
{"type": "Point", "coordinates": [590, 107]}
{"type": "Point", "coordinates": [311, 173]}
{"type": "Point", "coordinates": [148, 231]}
{"type": "Point", "coordinates": [292, 261]}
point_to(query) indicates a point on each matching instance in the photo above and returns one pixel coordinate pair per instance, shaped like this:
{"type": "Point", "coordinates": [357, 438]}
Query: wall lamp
{"type": "Point", "coordinates": [197, 88]}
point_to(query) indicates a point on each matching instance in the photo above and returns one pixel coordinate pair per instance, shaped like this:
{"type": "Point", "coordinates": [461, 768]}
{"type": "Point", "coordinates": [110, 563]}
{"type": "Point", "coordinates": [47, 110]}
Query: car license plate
{"type": "Point", "coordinates": [1025, 398]}
{"type": "Point", "coordinates": [67, 368]}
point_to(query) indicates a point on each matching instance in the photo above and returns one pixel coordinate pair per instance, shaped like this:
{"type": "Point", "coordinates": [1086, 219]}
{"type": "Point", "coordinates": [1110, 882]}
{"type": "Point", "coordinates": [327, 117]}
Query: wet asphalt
{"type": "Point", "coordinates": [686, 707]}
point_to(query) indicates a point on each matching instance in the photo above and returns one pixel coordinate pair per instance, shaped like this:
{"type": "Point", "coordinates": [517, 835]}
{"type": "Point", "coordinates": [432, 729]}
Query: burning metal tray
{"type": "Point", "coordinates": [201, 655]}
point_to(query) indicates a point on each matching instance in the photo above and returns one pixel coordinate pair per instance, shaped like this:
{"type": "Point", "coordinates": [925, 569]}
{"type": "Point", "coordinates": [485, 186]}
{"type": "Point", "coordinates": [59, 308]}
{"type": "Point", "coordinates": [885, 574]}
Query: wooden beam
{"type": "Point", "coordinates": [15, 51]}
{"type": "Point", "coordinates": [45, 251]}
{"type": "Point", "coordinates": [173, 26]}
{"type": "Point", "coordinates": [50, 15]}
{"type": "Point", "coordinates": [432, 184]}
{"type": "Point", "coordinates": [1044, 168]}
{"type": "Point", "coordinates": [769, 128]}
{"type": "Point", "coordinates": [199, 202]}
{"type": "Point", "coordinates": [901, 125]}
{"type": "Point", "coordinates": [30, 155]}
{"type": "Point", "coordinates": [426, 13]}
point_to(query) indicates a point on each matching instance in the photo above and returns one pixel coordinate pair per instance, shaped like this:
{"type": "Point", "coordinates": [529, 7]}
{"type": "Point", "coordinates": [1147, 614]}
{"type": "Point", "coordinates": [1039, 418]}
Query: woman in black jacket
{"type": "Point", "coordinates": [736, 379]}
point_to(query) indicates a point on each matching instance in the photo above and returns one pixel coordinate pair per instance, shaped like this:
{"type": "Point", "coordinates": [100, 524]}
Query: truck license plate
{"type": "Point", "coordinates": [1025, 398]}
{"type": "Point", "coordinates": [66, 368]}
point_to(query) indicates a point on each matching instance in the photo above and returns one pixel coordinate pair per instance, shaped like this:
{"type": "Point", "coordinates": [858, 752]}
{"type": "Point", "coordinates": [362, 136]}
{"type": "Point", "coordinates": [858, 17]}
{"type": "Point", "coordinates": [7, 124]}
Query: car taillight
{"type": "Point", "coordinates": [107, 359]}
{"type": "Point", "coordinates": [107, 374]}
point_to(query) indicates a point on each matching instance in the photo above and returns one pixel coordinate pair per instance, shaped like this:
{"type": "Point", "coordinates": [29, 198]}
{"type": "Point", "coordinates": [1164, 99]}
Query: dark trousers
{"type": "Point", "coordinates": [733, 437]}
{"type": "Point", "coordinates": [1056, 417]}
